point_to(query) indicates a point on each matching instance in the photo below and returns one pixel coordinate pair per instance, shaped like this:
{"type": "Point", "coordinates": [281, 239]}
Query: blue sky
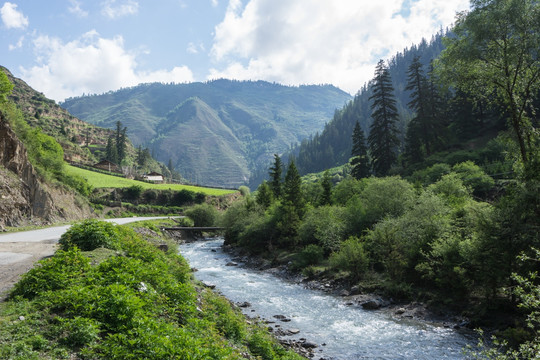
{"type": "Point", "coordinates": [66, 48]}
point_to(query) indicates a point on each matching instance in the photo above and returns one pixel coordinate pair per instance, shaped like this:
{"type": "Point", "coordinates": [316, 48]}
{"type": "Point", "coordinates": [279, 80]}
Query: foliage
{"type": "Point", "coordinates": [323, 226]}
{"type": "Point", "coordinates": [310, 255]}
{"type": "Point", "coordinates": [89, 235]}
{"type": "Point", "coordinates": [383, 140]}
{"type": "Point", "coordinates": [494, 57]}
{"type": "Point", "coordinates": [133, 192]}
{"type": "Point", "coordinates": [5, 86]}
{"type": "Point", "coordinates": [275, 177]}
{"type": "Point", "coordinates": [351, 257]}
{"type": "Point", "coordinates": [264, 195]}
{"type": "Point", "coordinates": [203, 215]}
{"type": "Point", "coordinates": [244, 190]}
{"type": "Point", "coordinates": [359, 156]}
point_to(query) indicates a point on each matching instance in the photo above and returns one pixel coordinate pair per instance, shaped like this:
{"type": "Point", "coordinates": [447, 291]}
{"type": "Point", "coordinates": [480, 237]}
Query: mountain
{"type": "Point", "coordinates": [214, 133]}
{"type": "Point", "coordinates": [70, 132]}
{"type": "Point", "coordinates": [81, 142]}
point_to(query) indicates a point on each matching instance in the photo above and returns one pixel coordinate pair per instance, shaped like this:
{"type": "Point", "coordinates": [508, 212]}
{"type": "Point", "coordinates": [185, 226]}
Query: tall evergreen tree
{"type": "Point", "coordinates": [383, 137]}
{"type": "Point", "coordinates": [121, 138]}
{"type": "Point", "coordinates": [417, 85]}
{"type": "Point", "coordinates": [110, 153]}
{"type": "Point", "coordinates": [275, 177]}
{"type": "Point", "coordinates": [326, 183]}
{"type": "Point", "coordinates": [292, 189]}
{"type": "Point", "coordinates": [359, 161]}
{"type": "Point", "coordinates": [264, 195]}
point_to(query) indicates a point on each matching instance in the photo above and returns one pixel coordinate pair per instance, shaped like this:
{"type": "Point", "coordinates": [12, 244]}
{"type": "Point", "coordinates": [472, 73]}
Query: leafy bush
{"type": "Point", "coordinates": [474, 177]}
{"type": "Point", "coordinates": [77, 183]}
{"type": "Point", "coordinates": [133, 192]}
{"type": "Point", "coordinates": [323, 226]}
{"type": "Point", "coordinates": [89, 235]}
{"type": "Point", "coordinates": [310, 255]}
{"type": "Point", "coordinates": [64, 269]}
{"type": "Point", "coordinates": [183, 197]}
{"type": "Point", "coordinates": [389, 196]}
{"type": "Point", "coordinates": [351, 257]}
{"type": "Point", "coordinates": [203, 215]}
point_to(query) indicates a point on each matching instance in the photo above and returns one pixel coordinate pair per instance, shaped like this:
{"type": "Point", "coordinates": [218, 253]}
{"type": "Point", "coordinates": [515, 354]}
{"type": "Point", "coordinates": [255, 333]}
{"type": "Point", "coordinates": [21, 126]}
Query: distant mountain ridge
{"type": "Point", "coordinates": [214, 133]}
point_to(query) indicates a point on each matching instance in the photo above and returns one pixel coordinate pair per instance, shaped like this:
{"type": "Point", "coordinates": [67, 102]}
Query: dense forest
{"type": "Point", "coordinates": [443, 204]}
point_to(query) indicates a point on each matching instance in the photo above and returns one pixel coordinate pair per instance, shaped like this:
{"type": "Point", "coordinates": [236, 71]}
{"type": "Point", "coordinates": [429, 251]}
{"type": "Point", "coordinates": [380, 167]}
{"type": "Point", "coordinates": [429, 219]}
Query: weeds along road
{"type": "Point", "coordinates": [20, 250]}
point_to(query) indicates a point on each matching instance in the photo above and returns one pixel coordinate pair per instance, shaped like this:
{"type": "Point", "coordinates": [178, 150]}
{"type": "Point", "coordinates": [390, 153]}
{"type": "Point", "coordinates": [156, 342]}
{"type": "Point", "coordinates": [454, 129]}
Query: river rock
{"type": "Point", "coordinates": [372, 304]}
{"type": "Point", "coordinates": [309, 345]}
{"type": "Point", "coordinates": [294, 331]}
{"type": "Point", "coordinates": [244, 304]}
{"type": "Point", "coordinates": [231, 263]}
{"type": "Point", "coordinates": [280, 317]}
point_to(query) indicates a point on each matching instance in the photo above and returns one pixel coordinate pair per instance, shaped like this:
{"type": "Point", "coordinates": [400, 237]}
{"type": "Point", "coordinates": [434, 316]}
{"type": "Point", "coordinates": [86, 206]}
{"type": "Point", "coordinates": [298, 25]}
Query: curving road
{"type": "Point", "coordinates": [20, 250]}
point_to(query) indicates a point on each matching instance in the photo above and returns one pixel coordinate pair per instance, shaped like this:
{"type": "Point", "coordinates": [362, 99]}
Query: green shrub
{"type": "Point", "coordinates": [244, 190]}
{"type": "Point", "coordinates": [64, 269]}
{"type": "Point", "coordinates": [183, 197]}
{"type": "Point", "coordinates": [389, 196]}
{"type": "Point", "coordinates": [351, 257]}
{"type": "Point", "coordinates": [203, 215]}
{"type": "Point", "coordinates": [310, 255]}
{"type": "Point", "coordinates": [89, 235]}
{"type": "Point", "coordinates": [133, 192]}
{"type": "Point", "coordinates": [77, 183]}
{"type": "Point", "coordinates": [323, 226]}
{"type": "Point", "coordinates": [78, 331]}
{"type": "Point", "coordinates": [474, 177]}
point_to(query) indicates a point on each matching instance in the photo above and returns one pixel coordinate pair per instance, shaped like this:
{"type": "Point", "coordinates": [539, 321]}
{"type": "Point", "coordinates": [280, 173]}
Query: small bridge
{"type": "Point", "coordinates": [190, 233]}
{"type": "Point", "coordinates": [194, 228]}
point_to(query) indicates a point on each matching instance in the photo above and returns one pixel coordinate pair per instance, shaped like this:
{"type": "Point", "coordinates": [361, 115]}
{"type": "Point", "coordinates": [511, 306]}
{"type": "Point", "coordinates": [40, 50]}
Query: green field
{"type": "Point", "coordinates": [98, 180]}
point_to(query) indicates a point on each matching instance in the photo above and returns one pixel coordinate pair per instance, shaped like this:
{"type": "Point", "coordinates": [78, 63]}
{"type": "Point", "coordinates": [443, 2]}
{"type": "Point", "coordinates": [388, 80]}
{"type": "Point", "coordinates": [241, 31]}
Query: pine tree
{"type": "Point", "coordinates": [264, 195]}
{"type": "Point", "coordinates": [110, 152]}
{"type": "Point", "coordinates": [383, 140]}
{"type": "Point", "coordinates": [275, 177]}
{"type": "Point", "coordinates": [121, 138]}
{"type": "Point", "coordinates": [326, 183]}
{"type": "Point", "coordinates": [292, 189]}
{"type": "Point", "coordinates": [359, 161]}
{"type": "Point", "coordinates": [417, 85]}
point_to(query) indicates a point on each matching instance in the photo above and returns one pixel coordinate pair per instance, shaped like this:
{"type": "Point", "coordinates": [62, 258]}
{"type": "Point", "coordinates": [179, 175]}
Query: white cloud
{"type": "Point", "coordinates": [18, 45]}
{"type": "Point", "coordinates": [90, 64]}
{"type": "Point", "coordinates": [215, 3]}
{"type": "Point", "coordinates": [195, 48]}
{"type": "Point", "coordinates": [117, 8]}
{"type": "Point", "coordinates": [13, 18]}
{"type": "Point", "coordinates": [76, 9]}
{"type": "Point", "coordinates": [321, 41]}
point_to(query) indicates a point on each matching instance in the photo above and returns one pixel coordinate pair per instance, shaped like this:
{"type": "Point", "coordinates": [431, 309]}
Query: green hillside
{"type": "Point", "coordinates": [214, 133]}
{"type": "Point", "coordinates": [99, 180]}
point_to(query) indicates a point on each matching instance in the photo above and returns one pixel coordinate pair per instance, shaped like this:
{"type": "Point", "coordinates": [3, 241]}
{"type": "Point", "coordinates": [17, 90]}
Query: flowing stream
{"type": "Point", "coordinates": [347, 332]}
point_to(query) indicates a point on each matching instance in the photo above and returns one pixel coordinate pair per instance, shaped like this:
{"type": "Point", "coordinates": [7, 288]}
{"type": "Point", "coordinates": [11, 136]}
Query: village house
{"type": "Point", "coordinates": [153, 176]}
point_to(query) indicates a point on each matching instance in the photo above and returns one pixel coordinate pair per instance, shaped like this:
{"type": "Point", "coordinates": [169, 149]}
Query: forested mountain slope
{"type": "Point", "coordinates": [214, 133]}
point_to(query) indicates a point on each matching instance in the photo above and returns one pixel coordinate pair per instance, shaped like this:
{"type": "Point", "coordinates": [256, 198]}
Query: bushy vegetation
{"type": "Point", "coordinates": [125, 300]}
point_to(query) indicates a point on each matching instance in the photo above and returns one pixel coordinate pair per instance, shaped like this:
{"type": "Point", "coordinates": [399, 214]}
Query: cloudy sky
{"type": "Point", "coordinates": [66, 48]}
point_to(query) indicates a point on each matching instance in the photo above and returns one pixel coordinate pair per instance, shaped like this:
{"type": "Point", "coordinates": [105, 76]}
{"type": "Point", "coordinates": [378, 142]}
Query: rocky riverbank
{"type": "Point", "coordinates": [353, 295]}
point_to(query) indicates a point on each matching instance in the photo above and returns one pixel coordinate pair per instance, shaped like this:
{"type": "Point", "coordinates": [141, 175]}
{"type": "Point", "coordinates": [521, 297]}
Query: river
{"type": "Point", "coordinates": [346, 332]}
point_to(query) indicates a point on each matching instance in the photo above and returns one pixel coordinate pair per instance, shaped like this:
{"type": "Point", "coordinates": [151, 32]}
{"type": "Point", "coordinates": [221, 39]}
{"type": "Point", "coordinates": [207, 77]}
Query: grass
{"type": "Point", "coordinates": [98, 180]}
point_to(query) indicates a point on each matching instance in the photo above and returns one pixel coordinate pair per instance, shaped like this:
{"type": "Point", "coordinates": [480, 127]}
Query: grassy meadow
{"type": "Point", "coordinates": [99, 180]}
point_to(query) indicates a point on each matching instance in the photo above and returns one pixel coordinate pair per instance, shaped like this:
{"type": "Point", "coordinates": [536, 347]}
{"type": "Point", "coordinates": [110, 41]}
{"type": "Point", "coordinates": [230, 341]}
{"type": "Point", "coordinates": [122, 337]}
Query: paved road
{"type": "Point", "coordinates": [20, 250]}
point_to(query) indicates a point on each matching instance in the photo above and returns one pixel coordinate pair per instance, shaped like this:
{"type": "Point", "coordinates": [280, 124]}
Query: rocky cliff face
{"type": "Point", "coordinates": [23, 198]}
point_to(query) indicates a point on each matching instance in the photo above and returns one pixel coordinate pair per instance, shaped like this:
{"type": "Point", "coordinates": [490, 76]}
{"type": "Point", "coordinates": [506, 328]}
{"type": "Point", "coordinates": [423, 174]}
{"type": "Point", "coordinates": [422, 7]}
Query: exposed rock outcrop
{"type": "Point", "coordinates": [23, 198]}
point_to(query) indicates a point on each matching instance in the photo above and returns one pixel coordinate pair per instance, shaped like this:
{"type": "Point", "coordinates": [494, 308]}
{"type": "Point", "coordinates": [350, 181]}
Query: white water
{"type": "Point", "coordinates": [348, 332]}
